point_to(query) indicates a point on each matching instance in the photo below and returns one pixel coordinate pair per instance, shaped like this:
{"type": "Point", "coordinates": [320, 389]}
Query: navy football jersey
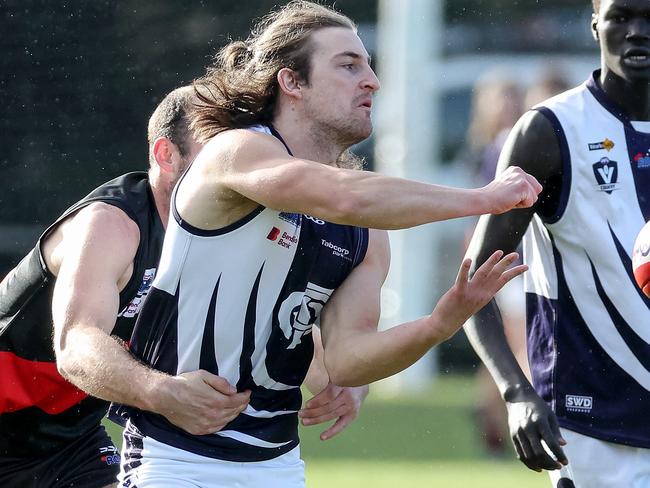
{"type": "Point", "coordinates": [240, 302]}
{"type": "Point", "coordinates": [588, 322]}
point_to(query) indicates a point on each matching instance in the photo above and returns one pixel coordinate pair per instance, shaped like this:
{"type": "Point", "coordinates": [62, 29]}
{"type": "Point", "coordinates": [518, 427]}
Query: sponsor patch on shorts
{"type": "Point", "coordinates": [579, 403]}
{"type": "Point", "coordinates": [109, 455]}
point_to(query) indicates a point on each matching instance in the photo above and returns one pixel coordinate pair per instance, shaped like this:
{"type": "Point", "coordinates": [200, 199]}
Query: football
{"type": "Point", "coordinates": [641, 259]}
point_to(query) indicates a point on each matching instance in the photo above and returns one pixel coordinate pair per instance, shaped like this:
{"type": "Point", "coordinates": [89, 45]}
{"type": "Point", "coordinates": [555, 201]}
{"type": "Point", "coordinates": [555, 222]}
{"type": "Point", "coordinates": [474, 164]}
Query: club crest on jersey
{"type": "Point", "coordinates": [300, 311]}
{"type": "Point", "coordinates": [606, 144]}
{"type": "Point", "coordinates": [642, 160]}
{"type": "Point", "coordinates": [132, 309]}
{"type": "Point", "coordinates": [606, 173]}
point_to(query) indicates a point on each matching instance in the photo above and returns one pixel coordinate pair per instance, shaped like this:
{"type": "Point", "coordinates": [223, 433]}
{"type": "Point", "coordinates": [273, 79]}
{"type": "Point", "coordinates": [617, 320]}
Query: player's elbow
{"type": "Point", "coordinates": [347, 378]}
{"type": "Point", "coordinates": [350, 206]}
{"type": "Point", "coordinates": [346, 207]}
{"type": "Point", "coordinates": [343, 372]}
{"type": "Point", "coordinates": [65, 363]}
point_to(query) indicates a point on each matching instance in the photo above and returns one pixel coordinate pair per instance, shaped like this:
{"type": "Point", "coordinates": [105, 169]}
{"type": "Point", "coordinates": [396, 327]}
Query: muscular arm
{"type": "Point", "coordinates": [257, 167]}
{"type": "Point", "coordinates": [355, 353]}
{"type": "Point", "coordinates": [533, 145]}
{"type": "Point", "coordinates": [98, 248]}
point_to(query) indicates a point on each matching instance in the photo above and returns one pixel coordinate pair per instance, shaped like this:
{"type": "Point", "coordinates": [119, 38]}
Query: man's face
{"type": "Point", "coordinates": [338, 99]}
{"type": "Point", "coordinates": [623, 30]}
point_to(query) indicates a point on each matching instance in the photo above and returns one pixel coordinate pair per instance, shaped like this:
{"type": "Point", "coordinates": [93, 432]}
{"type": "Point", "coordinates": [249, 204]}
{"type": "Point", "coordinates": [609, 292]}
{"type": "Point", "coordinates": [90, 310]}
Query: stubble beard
{"type": "Point", "coordinates": [342, 132]}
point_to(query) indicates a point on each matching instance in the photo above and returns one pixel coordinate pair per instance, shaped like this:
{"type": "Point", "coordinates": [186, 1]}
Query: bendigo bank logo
{"type": "Point", "coordinates": [606, 173]}
{"type": "Point", "coordinates": [286, 240]}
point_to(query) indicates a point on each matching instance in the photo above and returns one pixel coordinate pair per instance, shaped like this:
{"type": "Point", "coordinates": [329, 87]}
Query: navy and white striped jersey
{"type": "Point", "coordinates": [240, 302]}
{"type": "Point", "coordinates": [588, 323]}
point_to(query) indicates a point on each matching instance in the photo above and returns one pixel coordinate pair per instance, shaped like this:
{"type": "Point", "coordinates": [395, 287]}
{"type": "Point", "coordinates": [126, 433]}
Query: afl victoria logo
{"type": "Point", "coordinates": [606, 173]}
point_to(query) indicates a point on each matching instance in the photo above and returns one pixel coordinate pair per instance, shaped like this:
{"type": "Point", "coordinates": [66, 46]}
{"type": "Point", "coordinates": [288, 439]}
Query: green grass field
{"type": "Point", "coordinates": [420, 440]}
{"type": "Point", "coordinates": [412, 474]}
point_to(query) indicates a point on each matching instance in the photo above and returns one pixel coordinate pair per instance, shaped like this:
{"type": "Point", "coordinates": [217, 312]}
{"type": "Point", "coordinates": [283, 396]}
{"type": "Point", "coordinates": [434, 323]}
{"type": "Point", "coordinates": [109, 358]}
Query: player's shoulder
{"type": "Point", "coordinates": [97, 227]}
{"type": "Point", "coordinates": [533, 145]}
{"type": "Point", "coordinates": [242, 139]}
{"type": "Point", "coordinates": [536, 138]}
{"type": "Point", "coordinates": [131, 192]}
{"type": "Point", "coordinates": [533, 132]}
{"type": "Point", "coordinates": [104, 219]}
{"type": "Point", "coordinates": [568, 98]}
{"type": "Point", "coordinates": [247, 144]}
{"type": "Point", "coordinates": [541, 119]}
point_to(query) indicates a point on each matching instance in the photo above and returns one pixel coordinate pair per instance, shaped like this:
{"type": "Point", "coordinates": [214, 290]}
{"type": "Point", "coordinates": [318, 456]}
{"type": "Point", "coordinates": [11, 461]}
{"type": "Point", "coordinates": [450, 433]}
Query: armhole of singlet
{"type": "Point", "coordinates": [362, 245]}
{"type": "Point", "coordinates": [565, 155]}
{"type": "Point", "coordinates": [115, 202]}
{"type": "Point", "coordinates": [229, 228]}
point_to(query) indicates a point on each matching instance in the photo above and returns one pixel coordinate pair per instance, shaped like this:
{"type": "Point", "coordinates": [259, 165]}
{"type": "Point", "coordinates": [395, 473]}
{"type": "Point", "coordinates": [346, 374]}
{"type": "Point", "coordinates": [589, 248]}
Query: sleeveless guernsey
{"type": "Point", "coordinates": [39, 410]}
{"type": "Point", "coordinates": [588, 323]}
{"type": "Point", "coordinates": [240, 302]}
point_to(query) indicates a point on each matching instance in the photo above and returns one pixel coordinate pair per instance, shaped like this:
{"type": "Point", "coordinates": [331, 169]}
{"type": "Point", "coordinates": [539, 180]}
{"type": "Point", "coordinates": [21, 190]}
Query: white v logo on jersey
{"type": "Point", "coordinates": [607, 172]}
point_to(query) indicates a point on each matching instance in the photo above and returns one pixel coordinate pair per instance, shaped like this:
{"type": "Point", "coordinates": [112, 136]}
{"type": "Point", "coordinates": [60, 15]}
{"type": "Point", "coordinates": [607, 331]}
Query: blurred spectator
{"type": "Point", "coordinates": [497, 104]}
{"type": "Point", "coordinates": [549, 85]}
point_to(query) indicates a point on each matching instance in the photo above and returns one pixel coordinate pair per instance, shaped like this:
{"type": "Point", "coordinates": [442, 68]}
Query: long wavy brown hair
{"type": "Point", "coordinates": [240, 88]}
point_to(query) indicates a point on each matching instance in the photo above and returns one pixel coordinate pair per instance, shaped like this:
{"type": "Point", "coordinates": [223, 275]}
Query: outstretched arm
{"type": "Point", "coordinates": [98, 247]}
{"type": "Point", "coordinates": [355, 353]}
{"type": "Point", "coordinates": [533, 144]}
{"type": "Point", "coordinates": [257, 167]}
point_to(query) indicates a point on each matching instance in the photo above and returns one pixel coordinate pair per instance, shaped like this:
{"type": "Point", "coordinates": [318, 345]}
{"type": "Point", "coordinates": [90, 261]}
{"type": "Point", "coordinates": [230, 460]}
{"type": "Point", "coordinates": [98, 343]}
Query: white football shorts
{"type": "Point", "coordinates": [153, 464]}
{"type": "Point", "coordinates": [594, 463]}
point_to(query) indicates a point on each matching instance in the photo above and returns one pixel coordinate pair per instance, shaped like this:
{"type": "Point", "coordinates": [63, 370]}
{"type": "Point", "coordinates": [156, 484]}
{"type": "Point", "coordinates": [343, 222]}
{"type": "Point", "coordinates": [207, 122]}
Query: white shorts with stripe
{"type": "Point", "coordinates": [148, 463]}
{"type": "Point", "coordinates": [594, 463]}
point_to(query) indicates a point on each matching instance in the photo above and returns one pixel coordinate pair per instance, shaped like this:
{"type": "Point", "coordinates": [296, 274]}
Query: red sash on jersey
{"type": "Point", "coordinates": [26, 384]}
